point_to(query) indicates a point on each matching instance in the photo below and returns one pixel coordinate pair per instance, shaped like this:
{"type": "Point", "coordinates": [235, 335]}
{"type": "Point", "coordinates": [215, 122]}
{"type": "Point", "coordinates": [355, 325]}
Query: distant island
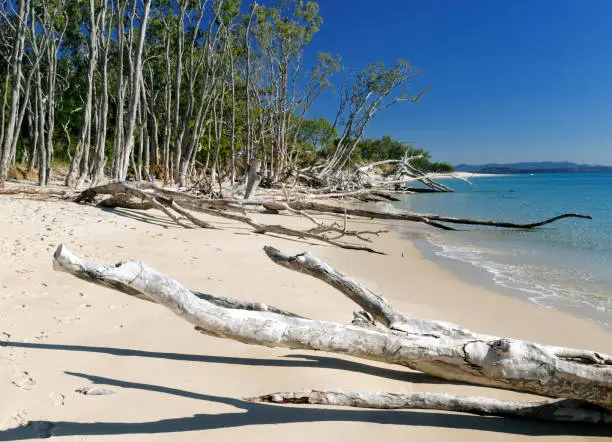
{"type": "Point", "coordinates": [535, 167]}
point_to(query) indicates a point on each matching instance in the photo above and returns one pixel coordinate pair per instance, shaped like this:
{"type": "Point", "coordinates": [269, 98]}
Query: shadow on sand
{"type": "Point", "coordinates": [297, 361]}
{"type": "Point", "coordinates": [248, 414]}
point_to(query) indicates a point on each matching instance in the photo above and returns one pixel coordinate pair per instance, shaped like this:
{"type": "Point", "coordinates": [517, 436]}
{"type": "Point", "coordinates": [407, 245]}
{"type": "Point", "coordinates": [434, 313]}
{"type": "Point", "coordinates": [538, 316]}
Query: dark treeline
{"type": "Point", "coordinates": [174, 89]}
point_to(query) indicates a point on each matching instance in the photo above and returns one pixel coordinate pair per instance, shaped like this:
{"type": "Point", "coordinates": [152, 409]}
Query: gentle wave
{"type": "Point", "coordinates": [543, 285]}
{"type": "Point", "coordinates": [565, 265]}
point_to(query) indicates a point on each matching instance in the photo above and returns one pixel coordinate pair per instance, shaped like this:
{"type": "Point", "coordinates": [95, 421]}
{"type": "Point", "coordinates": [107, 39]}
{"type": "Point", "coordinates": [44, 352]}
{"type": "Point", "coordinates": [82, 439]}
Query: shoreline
{"type": "Point", "coordinates": [481, 276]}
{"type": "Point", "coordinates": [59, 334]}
{"type": "Point", "coordinates": [563, 267]}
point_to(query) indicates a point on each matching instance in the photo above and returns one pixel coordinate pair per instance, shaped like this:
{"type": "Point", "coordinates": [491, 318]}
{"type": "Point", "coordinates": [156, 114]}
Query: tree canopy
{"type": "Point", "coordinates": [176, 89]}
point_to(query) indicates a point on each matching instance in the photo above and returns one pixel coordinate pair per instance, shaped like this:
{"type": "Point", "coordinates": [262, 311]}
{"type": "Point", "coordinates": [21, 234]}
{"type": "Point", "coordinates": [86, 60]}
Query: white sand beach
{"type": "Point", "coordinates": [170, 383]}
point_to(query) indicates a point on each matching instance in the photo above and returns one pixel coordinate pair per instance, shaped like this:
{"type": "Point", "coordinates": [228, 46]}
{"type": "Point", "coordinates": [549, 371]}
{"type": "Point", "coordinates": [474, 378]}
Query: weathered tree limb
{"type": "Point", "coordinates": [282, 230]}
{"type": "Point", "coordinates": [482, 360]}
{"type": "Point", "coordinates": [374, 304]}
{"type": "Point", "coordinates": [426, 218]}
{"type": "Point", "coordinates": [556, 410]}
{"type": "Point", "coordinates": [178, 209]}
{"type": "Point", "coordinates": [223, 301]}
{"type": "Point", "coordinates": [27, 190]}
{"type": "Point", "coordinates": [431, 219]}
{"type": "Point", "coordinates": [155, 202]}
{"type": "Point", "coordinates": [124, 202]}
{"type": "Point", "coordinates": [345, 232]}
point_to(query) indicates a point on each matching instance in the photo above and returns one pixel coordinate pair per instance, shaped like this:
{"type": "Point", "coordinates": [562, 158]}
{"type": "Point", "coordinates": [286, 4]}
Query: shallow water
{"type": "Point", "coordinates": [567, 264]}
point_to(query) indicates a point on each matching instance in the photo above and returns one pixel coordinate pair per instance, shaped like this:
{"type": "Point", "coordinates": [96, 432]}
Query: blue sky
{"type": "Point", "coordinates": [514, 80]}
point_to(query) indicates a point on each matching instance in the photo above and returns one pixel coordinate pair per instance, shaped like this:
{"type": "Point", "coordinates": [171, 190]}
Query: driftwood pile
{"type": "Point", "coordinates": [179, 207]}
{"type": "Point", "coordinates": [400, 173]}
{"type": "Point", "coordinates": [579, 382]}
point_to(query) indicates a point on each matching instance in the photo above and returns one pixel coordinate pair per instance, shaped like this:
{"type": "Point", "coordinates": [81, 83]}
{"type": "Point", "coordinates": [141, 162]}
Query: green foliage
{"type": "Point", "coordinates": [441, 167]}
{"type": "Point", "coordinates": [386, 148]}
{"type": "Point", "coordinates": [316, 133]}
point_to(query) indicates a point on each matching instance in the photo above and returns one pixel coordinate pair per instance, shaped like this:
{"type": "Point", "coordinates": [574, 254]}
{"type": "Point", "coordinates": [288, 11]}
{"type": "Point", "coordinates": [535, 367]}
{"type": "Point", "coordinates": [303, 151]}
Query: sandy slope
{"type": "Point", "coordinates": [174, 384]}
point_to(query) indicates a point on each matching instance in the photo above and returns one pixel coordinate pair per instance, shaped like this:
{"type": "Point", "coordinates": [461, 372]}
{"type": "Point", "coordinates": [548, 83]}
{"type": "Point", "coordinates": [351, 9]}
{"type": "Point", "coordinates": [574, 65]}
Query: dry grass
{"type": "Point", "coordinates": [21, 173]}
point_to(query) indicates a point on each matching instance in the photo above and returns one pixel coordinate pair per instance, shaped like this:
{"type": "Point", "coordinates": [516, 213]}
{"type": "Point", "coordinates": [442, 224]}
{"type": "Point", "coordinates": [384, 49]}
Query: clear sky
{"type": "Point", "coordinates": [513, 80]}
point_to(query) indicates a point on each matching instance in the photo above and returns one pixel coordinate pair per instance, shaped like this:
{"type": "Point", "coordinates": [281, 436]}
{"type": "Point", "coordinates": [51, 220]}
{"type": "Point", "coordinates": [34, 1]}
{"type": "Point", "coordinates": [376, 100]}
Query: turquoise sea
{"type": "Point", "coordinates": [565, 265]}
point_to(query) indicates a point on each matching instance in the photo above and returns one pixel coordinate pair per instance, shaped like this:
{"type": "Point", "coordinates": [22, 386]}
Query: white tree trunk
{"type": "Point", "coordinates": [556, 410]}
{"type": "Point", "coordinates": [134, 92]}
{"type": "Point", "coordinates": [458, 355]}
{"type": "Point", "coordinates": [16, 67]}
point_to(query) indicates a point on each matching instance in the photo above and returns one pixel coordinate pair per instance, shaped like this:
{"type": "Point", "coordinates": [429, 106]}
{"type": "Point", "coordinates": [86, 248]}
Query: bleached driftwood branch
{"type": "Point", "coordinates": [557, 410]}
{"type": "Point", "coordinates": [433, 347]}
{"type": "Point", "coordinates": [374, 304]}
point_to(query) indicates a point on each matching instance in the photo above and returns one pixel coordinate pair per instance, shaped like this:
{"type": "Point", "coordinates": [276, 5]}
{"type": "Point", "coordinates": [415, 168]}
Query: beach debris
{"type": "Point", "coordinates": [579, 381]}
{"type": "Point", "coordinates": [95, 390]}
{"type": "Point", "coordinates": [177, 205]}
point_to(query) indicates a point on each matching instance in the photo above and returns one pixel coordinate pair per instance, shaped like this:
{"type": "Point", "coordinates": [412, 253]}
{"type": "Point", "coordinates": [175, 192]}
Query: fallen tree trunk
{"type": "Point", "coordinates": [439, 349]}
{"type": "Point", "coordinates": [431, 219]}
{"type": "Point", "coordinates": [418, 217]}
{"type": "Point", "coordinates": [564, 410]}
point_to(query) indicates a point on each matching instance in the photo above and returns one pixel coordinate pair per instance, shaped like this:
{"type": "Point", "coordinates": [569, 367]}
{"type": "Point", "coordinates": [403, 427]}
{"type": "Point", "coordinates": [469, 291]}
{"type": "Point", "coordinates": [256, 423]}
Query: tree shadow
{"type": "Point", "coordinates": [249, 414]}
{"type": "Point", "coordinates": [138, 216]}
{"type": "Point", "coordinates": [296, 361]}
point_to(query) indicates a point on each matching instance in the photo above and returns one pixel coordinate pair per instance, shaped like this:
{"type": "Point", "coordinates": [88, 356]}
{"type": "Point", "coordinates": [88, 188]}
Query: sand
{"type": "Point", "coordinates": [169, 383]}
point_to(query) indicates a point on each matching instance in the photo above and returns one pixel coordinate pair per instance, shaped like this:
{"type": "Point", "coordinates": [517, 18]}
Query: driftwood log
{"type": "Point", "coordinates": [580, 381]}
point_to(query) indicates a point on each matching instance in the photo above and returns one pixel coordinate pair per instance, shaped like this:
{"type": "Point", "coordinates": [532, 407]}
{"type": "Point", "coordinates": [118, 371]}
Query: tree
{"type": "Point", "coordinates": [375, 89]}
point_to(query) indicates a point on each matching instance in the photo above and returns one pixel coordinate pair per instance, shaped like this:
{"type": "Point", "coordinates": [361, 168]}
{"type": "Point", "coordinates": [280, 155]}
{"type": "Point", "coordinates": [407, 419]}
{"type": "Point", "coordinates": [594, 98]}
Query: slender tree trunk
{"type": "Point", "coordinates": [178, 134]}
{"type": "Point", "coordinates": [76, 171]}
{"type": "Point", "coordinates": [99, 160]}
{"type": "Point", "coordinates": [33, 125]}
{"type": "Point", "coordinates": [168, 106]}
{"type": "Point", "coordinates": [4, 91]}
{"type": "Point", "coordinates": [233, 139]}
{"type": "Point", "coordinates": [42, 146]}
{"type": "Point", "coordinates": [249, 137]}
{"type": "Point", "coordinates": [118, 146]}
{"type": "Point", "coordinates": [15, 68]}
{"type": "Point", "coordinates": [135, 90]}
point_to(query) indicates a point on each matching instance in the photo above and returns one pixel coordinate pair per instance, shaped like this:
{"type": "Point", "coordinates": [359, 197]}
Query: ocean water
{"type": "Point", "coordinates": [565, 265]}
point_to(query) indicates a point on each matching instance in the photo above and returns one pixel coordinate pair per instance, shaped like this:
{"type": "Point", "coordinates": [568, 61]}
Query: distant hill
{"type": "Point", "coordinates": [534, 167]}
